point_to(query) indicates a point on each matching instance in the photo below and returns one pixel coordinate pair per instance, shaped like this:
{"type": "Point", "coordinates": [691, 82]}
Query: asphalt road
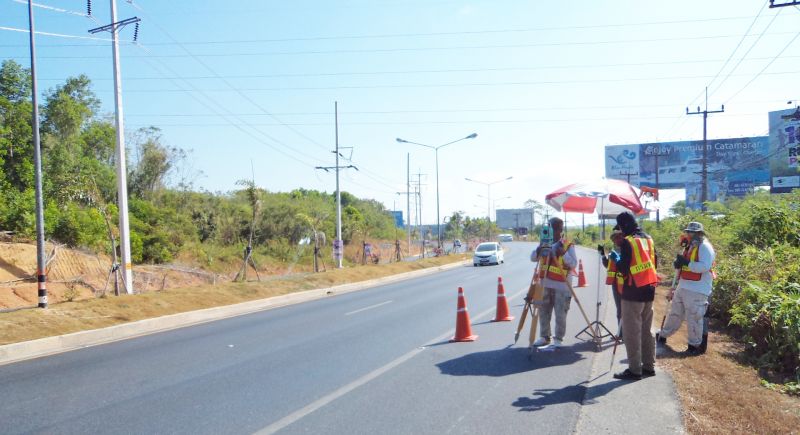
{"type": "Point", "coordinates": [372, 361]}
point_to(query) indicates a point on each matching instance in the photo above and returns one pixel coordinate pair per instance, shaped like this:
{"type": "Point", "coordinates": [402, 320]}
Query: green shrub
{"type": "Point", "coordinates": [771, 317]}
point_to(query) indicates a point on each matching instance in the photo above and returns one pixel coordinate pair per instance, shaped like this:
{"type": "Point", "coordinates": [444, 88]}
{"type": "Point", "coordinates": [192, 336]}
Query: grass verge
{"type": "Point", "coordinates": [718, 394]}
{"type": "Point", "coordinates": [68, 317]}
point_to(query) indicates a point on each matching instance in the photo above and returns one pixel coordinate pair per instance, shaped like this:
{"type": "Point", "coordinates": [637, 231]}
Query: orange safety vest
{"type": "Point", "coordinates": [554, 267]}
{"type": "Point", "coordinates": [612, 276]}
{"type": "Point", "coordinates": [692, 253]}
{"type": "Point", "coordinates": [643, 270]}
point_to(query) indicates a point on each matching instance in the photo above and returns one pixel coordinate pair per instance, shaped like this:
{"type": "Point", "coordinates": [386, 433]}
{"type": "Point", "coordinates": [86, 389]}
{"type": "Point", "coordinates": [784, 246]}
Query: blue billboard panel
{"type": "Point", "coordinates": [675, 165]}
{"type": "Point", "coordinates": [398, 219]}
{"type": "Point", "coordinates": [784, 145]}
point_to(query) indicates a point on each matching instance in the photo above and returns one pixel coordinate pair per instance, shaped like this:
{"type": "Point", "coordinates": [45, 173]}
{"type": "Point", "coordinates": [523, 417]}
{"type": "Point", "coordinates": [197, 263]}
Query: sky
{"type": "Point", "coordinates": [249, 87]}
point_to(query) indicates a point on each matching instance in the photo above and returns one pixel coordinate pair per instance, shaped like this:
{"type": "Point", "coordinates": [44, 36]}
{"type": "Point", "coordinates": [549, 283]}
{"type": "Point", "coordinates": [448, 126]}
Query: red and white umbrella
{"type": "Point", "coordinates": [604, 197]}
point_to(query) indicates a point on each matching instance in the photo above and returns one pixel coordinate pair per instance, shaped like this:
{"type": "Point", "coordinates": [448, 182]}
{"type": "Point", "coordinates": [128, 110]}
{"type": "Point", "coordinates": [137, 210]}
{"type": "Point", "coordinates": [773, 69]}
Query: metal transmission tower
{"type": "Point", "coordinates": [122, 181]}
{"type": "Point", "coordinates": [704, 191]}
{"type": "Point", "coordinates": [338, 245]}
{"type": "Point", "coordinates": [41, 261]}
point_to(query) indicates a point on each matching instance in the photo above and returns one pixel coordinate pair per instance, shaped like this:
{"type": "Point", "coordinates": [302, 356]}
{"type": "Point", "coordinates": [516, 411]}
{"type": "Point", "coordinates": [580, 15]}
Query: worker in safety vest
{"type": "Point", "coordinates": [555, 262]}
{"type": "Point", "coordinates": [637, 264]}
{"type": "Point", "coordinates": [613, 277]}
{"type": "Point", "coordinates": [690, 300]}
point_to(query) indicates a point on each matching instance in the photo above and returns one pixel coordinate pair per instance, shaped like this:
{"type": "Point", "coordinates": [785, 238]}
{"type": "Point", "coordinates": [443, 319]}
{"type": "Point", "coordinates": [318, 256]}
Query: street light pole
{"type": "Point", "coordinates": [436, 155]}
{"type": "Point", "coordinates": [489, 193]}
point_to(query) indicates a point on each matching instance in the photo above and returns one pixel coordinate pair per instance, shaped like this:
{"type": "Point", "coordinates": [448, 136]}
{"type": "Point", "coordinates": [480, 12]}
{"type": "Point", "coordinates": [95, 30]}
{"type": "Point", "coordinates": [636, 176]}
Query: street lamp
{"type": "Point", "coordinates": [436, 152]}
{"type": "Point", "coordinates": [494, 202]}
{"type": "Point", "coordinates": [488, 193]}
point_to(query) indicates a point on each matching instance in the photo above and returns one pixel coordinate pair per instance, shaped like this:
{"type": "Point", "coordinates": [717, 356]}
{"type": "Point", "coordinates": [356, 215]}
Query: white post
{"type": "Point", "coordinates": [122, 178]}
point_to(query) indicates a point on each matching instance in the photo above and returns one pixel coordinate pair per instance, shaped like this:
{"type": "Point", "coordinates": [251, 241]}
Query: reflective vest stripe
{"type": "Point", "coordinates": [556, 270]}
{"type": "Point", "coordinates": [643, 271]}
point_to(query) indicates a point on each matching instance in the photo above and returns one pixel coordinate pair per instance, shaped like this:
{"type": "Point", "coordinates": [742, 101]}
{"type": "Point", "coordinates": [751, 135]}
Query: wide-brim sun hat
{"type": "Point", "coordinates": [694, 227]}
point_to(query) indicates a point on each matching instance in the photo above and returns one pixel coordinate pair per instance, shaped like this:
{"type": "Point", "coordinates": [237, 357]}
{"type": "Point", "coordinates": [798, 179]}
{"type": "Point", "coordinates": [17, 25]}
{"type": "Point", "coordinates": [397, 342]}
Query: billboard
{"type": "Point", "coordinates": [676, 165]}
{"type": "Point", "coordinates": [784, 148]}
{"type": "Point", "coordinates": [398, 218]}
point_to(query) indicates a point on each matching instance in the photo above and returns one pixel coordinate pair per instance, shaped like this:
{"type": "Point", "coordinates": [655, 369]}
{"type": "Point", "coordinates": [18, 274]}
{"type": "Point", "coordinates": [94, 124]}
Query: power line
{"type": "Point", "coordinates": [437, 34]}
{"type": "Point", "coordinates": [449, 84]}
{"type": "Point", "coordinates": [745, 54]}
{"type": "Point", "coordinates": [760, 73]}
{"type": "Point", "coordinates": [467, 121]}
{"type": "Point", "coordinates": [582, 67]}
{"type": "Point", "coordinates": [416, 49]}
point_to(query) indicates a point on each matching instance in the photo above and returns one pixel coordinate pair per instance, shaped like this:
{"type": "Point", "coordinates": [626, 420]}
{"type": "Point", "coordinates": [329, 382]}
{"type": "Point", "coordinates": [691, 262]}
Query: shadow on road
{"type": "Point", "coordinates": [511, 360]}
{"type": "Point", "coordinates": [569, 394]}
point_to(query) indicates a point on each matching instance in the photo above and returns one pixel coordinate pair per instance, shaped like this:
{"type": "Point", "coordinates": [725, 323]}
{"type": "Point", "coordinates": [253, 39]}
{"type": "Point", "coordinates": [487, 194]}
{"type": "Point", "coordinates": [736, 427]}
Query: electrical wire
{"type": "Point", "coordinates": [760, 73]}
{"type": "Point", "coordinates": [443, 85]}
{"type": "Point", "coordinates": [745, 54]}
{"type": "Point", "coordinates": [438, 34]}
{"type": "Point", "coordinates": [417, 49]}
{"type": "Point", "coordinates": [583, 67]}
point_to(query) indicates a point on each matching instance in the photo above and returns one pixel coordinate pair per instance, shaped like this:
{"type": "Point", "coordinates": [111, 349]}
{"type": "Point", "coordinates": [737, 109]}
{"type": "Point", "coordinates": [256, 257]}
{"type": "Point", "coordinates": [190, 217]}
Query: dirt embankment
{"type": "Point", "coordinates": [76, 275]}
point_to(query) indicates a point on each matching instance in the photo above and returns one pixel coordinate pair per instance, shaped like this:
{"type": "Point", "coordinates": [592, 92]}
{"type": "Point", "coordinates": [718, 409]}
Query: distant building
{"type": "Point", "coordinates": [512, 218]}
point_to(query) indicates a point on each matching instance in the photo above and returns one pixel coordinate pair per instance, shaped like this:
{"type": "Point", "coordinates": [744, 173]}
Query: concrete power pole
{"type": "Point", "coordinates": [122, 177]}
{"type": "Point", "coordinates": [704, 191]}
{"type": "Point", "coordinates": [338, 245]}
{"type": "Point", "coordinates": [41, 261]}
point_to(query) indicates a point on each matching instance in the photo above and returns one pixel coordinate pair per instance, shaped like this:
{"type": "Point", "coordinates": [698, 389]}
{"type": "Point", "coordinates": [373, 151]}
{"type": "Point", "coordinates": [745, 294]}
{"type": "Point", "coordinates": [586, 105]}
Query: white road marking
{"type": "Point", "coordinates": [368, 308]}
{"type": "Point", "coordinates": [319, 403]}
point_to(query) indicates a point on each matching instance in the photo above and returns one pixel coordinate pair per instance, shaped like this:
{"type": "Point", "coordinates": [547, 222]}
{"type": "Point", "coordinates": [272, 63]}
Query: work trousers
{"type": "Point", "coordinates": [637, 318]}
{"type": "Point", "coordinates": [691, 306]}
{"type": "Point", "coordinates": [558, 301]}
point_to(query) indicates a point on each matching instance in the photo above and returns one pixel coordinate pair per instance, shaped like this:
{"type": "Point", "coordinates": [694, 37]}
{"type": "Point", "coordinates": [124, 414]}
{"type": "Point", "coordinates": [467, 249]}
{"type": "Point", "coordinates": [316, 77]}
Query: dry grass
{"type": "Point", "coordinates": [67, 317]}
{"type": "Point", "coordinates": [718, 394]}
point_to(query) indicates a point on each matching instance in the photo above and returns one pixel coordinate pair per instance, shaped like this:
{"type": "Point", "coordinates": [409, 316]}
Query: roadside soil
{"type": "Point", "coordinates": [718, 394]}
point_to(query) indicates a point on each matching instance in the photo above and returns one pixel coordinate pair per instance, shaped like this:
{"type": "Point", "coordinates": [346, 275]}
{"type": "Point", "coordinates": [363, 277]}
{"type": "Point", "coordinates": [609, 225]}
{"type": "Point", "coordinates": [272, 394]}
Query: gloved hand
{"type": "Point", "coordinates": [614, 256]}
{"type": "Point", "coordinates": [601, 250]}
{"type": "Point", "coordinates": [680, 261]}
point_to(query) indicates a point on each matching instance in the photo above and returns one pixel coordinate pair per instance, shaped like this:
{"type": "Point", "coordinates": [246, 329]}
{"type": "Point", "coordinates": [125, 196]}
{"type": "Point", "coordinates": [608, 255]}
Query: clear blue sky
{"type": "Point", "coordinates": [545, 85]}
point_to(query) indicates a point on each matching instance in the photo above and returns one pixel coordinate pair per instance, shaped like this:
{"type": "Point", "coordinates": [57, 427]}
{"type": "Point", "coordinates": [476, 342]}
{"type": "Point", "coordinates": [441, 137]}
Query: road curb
{"type": "Point", "coordinates": [26, 350]}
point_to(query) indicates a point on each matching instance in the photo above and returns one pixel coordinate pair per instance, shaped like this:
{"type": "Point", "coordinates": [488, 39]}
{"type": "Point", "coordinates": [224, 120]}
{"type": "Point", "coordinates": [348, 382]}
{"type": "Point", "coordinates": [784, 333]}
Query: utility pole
{"type": "Point", "coordinates": [41, 262]}
{"type": "Point", "coordinates": [338, 245]}
{"type": "Point", "coordinates": [628, 175]}
{"type": "Point", "coordinates": [658, 154]}
{"type": "Point", "coordinates": [408, 200]}
{"type": "Point", "coordinates": [122, 177]}
{"type": "Point", "coordinates": [704, 191]}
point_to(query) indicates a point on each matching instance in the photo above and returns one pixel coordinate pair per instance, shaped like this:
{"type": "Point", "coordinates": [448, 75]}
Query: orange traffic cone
{"type": "Point", "coordinates": [502, 304]}
{"type": "Point", "coordinates": [463, 328]}
{"type": "Point", "coordinates": [581, 276]}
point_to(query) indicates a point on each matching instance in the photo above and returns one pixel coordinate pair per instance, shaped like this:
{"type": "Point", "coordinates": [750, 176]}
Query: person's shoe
{"type": "Point", "coordinates": [660, 340]}
{"type": "Point", "coordinates": [648, 373]}
{"type": "Point", "coordinates": [558, 343]}
{"type": "Point", "coordinates": [627, 375]}
{"type": "Point", "coordinates": [693, 350]}
{"type": "Point", "coordinates": [541, 341]}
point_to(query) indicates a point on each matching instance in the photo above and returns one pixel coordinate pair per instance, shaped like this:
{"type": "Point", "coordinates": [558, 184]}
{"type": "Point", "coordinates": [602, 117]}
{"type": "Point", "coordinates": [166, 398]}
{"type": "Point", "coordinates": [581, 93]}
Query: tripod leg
{"type": "Point", "coordinates": [521, 323]}
{"type": "Point", "coordinates": [534, 325]}
{"type": "Point", "coordinates": [578, 302]}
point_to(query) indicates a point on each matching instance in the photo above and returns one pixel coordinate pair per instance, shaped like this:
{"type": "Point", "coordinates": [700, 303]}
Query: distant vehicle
{"type": "Point", "coordinates": [457, 243]}
{"type": "Point", "coordinates": [505, 238]}
{"type": "Point", "coordinates": [488, 253]}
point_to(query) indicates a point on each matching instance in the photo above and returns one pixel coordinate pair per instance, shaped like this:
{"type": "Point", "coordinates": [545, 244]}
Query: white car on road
{"type": "Point", "coordinates": [488, 253]}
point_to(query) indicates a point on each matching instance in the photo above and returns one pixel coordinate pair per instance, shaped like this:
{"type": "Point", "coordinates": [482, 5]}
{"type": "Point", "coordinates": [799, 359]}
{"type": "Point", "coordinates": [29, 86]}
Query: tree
{"type": "Point", "coordinates": [152, 163]}
{"type": "Point", "coordinates": [679, 208]}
